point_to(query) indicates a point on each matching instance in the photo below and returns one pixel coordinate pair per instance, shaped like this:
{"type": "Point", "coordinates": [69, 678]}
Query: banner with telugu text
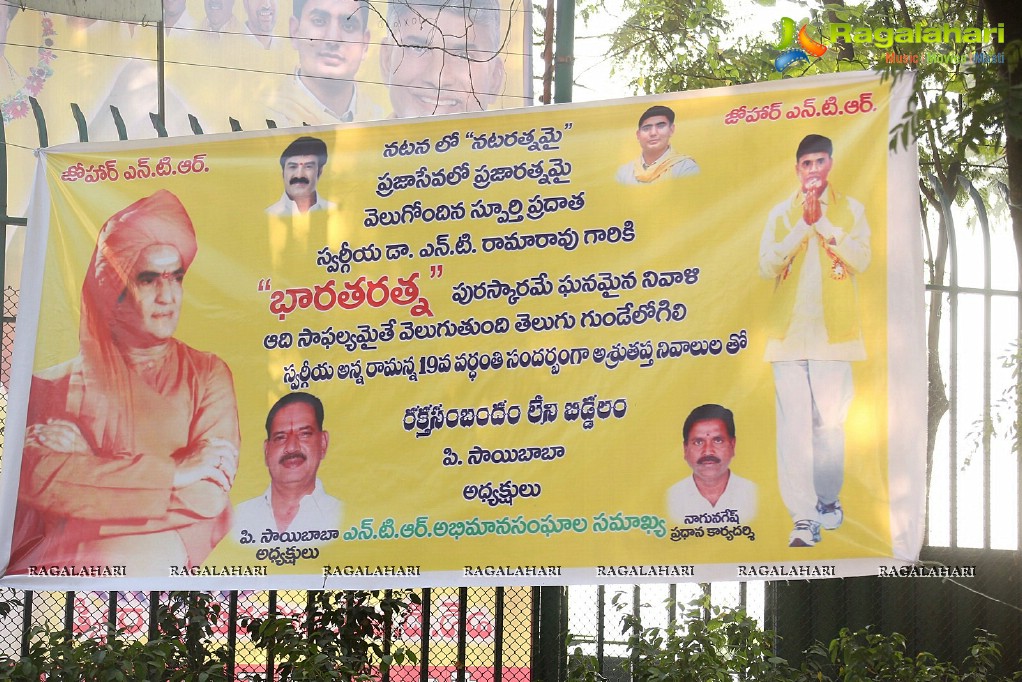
{"type": "Point", "coordinates": [507, 318]}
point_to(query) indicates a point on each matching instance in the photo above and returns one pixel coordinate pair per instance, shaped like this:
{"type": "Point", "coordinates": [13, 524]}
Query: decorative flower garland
{"type": "Point", "coordinates": [17, 105]}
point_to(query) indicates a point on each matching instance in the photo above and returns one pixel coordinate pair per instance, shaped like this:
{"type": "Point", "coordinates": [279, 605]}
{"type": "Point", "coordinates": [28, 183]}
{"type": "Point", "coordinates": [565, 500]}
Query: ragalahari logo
{"type": "Point", "coordinates": [806, 46]}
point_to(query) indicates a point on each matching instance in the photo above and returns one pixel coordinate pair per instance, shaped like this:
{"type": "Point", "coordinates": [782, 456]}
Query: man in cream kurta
{"type": "Point", "coordinates": [658, 160]}
{"type": "Point", "coordinates": [294, 105]}
{"type": "Point", "coordinates": [331, 38]}
{"type": "Point", "coordinates": [814, 245]}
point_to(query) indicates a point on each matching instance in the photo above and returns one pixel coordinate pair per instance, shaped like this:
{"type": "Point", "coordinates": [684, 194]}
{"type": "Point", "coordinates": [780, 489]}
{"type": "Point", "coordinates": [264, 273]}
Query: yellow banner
{"type": "Point", "coordinates": [290, 62]}
{"type": "Point", "coordinates": [670, 338]}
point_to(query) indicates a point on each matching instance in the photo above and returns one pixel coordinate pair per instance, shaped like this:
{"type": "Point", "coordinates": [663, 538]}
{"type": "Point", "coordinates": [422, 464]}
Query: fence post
{"type": "Point", "coordinates": [26, 622]}
{"type": "Point", "coordinates": [427, 606]}
{"type": "Point", "coordinates": [69, 611]}
{"type": "Point", "coordinates": [462, 632]}
{"type": "Point", "coordinates": [551, 647]}
{"type": "Point", "coordinates": [498, 635]}
{"type": "Point", "coordinates": [232, 634]}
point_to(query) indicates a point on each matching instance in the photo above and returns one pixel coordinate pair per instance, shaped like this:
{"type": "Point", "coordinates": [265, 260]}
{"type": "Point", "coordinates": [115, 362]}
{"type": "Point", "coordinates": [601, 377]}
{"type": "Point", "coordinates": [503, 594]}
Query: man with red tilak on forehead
{"type": "Point", "coordinates": [295, 446]}
{"type": "Point", "coordinates": [814, 246]}
{"type": "Point", "coordinates": [131, 448]}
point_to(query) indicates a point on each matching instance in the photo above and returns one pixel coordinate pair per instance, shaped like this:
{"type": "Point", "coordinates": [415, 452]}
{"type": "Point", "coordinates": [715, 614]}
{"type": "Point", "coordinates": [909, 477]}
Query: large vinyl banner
{"type": "Point", "coordinates": [675, 338]}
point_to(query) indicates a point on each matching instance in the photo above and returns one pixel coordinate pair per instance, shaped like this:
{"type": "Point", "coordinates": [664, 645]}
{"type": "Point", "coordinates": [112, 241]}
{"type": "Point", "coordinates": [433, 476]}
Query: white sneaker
{"type": "Point", "coordinates": [831, 515]}
{"type": "Point", "coordinates": [805, 534]}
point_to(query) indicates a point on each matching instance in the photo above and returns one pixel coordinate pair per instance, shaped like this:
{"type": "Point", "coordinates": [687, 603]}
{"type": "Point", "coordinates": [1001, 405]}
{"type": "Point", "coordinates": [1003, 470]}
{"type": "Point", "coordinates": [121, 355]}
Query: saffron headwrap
{"type": "Point", "coordinates": [101, 394]}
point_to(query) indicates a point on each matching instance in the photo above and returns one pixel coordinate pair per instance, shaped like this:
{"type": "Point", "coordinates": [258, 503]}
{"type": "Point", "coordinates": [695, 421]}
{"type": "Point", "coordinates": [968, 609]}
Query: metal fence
{"type": "Point", "coordinates": [462, 635]}
{"type": "Point", "coordinates": [457, 634]}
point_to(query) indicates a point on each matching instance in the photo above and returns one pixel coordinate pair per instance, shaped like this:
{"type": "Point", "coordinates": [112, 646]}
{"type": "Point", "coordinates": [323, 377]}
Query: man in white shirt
{"type": "Point", "coordinates": [814, 245]}
{"type": "Point", "coordinates": [712, 489]}
{"type": "Point", "coordinates": [301, 165]}
{"type": "Point", "coordinates": [294, 448]}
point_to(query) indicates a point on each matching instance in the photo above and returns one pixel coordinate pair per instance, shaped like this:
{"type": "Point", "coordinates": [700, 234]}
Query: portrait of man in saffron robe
{"type": "Point", "coordinates": [131, 447]}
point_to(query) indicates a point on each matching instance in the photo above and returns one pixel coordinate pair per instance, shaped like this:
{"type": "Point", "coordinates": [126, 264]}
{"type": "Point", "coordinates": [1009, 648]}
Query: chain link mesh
{"type": "Point", "coordinates": [466, 631]}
